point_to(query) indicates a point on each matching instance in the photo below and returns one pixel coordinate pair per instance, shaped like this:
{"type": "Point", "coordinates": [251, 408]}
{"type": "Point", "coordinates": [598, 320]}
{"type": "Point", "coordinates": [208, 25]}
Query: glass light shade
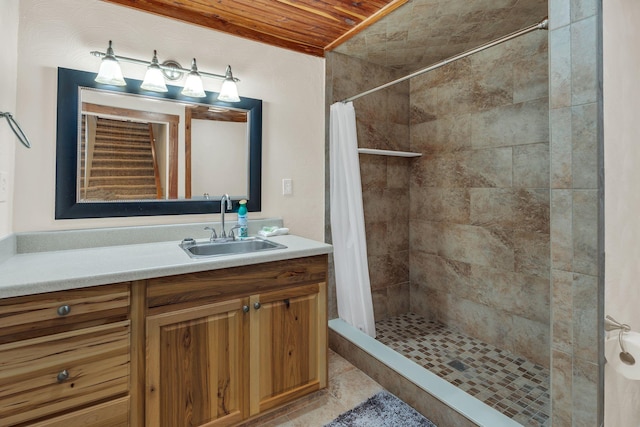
{"type": "Point", "coordinates": [229, 92]}
{"type": "Point", "coordinates": [154, 79]}
{"type": "Point", "coordinates": [193, 86]}
{"type": "Point", "coordinates": [110, 72]}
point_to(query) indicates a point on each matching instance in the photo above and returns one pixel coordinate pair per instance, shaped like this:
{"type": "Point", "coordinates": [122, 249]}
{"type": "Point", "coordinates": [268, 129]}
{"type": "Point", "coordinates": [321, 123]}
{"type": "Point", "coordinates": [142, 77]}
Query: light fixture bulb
{"type": "Point", "coordinates": [228, 90]}
{"type": "Point", "coordinates": [153, 79]}
{"type": "Point", "coordinates": [193, 86]}
{"type": "Point", "coordinates": [110, 72]}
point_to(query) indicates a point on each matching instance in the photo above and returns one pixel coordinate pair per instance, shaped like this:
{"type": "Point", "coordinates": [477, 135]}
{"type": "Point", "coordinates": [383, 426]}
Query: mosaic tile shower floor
{"type": "Point", "coordinates": [510, 384]}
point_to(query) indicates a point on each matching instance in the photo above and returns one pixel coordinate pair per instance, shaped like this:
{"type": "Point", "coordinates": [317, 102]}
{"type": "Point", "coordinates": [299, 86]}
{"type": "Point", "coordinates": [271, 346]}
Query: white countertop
{"type": "Point", "coordinates": [39, 272]}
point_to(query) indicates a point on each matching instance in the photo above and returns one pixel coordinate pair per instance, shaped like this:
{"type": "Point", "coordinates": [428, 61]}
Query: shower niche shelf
{"type": "Point", "coordinates": [391, 153]}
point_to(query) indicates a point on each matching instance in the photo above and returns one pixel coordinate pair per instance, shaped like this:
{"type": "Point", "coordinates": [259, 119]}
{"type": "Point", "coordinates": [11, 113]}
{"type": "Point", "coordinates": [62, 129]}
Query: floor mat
{"type": "Point", "coordinates": [381, 410]}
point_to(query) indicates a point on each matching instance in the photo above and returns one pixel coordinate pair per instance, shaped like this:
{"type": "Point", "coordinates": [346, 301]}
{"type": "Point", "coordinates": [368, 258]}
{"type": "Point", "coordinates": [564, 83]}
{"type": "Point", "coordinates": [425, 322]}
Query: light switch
{"type": "Point", "coordinates": [287, 187]}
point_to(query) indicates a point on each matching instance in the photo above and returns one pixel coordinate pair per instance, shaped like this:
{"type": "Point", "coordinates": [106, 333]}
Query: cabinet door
{"type": "Point", "coordinates": [195, 366]}
{"type": "Point", "coordinates": [288, 345]}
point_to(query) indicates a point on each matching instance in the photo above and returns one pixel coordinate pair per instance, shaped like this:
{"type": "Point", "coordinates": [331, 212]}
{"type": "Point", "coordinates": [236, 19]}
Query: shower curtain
{"type": "Point", "coordinates": [353, 290]}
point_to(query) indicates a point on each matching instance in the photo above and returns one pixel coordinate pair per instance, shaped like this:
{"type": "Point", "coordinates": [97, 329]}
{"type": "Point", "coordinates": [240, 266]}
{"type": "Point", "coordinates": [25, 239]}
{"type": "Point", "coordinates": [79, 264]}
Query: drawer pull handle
{"type": "Point", "coordinates": [63, 376]}
{"type": "Point", "coordinates": [245, 308]}
{"type": "Point", "coordinates": [63, 310]}
{"type": "Point", "coordinates": [256, 305]}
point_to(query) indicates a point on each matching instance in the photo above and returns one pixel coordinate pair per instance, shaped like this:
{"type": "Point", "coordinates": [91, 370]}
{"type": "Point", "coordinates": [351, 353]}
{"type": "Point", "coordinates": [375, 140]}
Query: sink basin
{"type": "Point", "coordinates": [212, 249]}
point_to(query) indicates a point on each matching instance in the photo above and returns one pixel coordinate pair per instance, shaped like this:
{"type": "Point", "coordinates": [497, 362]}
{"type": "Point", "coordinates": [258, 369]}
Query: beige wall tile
{"type": "Point", "coordinates": [585, 232]}
{"type": "Point", "coordinates": [531, 251]}
{"type": "Point", "coordinates": [398, 299]}
{"type": "Point", "coordinates": [585, 393]}
{"type": "Point", "coordinates": [562, 311]}
{"type": "Point", "coordinates": [581, 9]}
{"type": "Point", "coordinates": [584, 85]}
{"type": "Point", "coordinates": [425, 236]}
{"type": "Point", "coordinates": [531, 75]}
{"type": "Point", "coordinates": [380, 310]}
{"type": "Point", "coordinates": [584, 156]}
{"type": "Point", "coordinates": [441, 274]}
{"type": "Point", "coordinates": [514, 293]}
{"type": "Point", "coordinates": [530, 339]}
{"type": "Point", "coordinates": [512, 209]}
{"type": "Point", "coordinates": [490, 167]}
{"type": "Point", "coordinates": [441, 204]}
{"type": "Point", "coordinates": [531, 166]}
{"type": "Point", "coordinates": [561, 389]}
{"type": "Point", "coordinates": [444, 133]}
{"type": "Point", "coordinates": [585, 318]}
{"type": "Point", "coordinates": [560, 67]}
{"type": "Point", "coordinates": [562, 229]}
{"type": "Point", "coordinates": [560, 11]}
{"type": "Point", "coordinates": [504, 126]}
{"type": "Point", "coordinates": [398, 172]}
{"type": "Point", "coordinates": [561, 148]}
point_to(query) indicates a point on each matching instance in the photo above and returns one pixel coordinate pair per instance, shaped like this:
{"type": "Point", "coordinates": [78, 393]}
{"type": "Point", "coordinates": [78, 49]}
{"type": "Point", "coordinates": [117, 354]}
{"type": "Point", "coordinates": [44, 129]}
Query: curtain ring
{"type": "Point", "coordinates": [15, 127]}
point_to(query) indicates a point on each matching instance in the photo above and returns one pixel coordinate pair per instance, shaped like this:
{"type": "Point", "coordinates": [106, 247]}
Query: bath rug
{"type": "Point", "coordinates": [381, 410]}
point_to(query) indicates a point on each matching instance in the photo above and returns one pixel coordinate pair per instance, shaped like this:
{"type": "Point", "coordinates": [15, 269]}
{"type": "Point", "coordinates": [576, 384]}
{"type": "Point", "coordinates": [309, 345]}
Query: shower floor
{"type": "Point", "coordinates": [508, 383]}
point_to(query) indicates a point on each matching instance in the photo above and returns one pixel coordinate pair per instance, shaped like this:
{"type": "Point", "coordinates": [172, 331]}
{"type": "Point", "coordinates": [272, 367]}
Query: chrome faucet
{"type": "Point", "coordinates": [223, 208]}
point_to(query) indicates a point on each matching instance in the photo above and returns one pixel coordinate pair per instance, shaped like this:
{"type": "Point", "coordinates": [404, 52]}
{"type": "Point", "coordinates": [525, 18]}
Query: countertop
{"type": "Point", "coordinates": [39, 272]}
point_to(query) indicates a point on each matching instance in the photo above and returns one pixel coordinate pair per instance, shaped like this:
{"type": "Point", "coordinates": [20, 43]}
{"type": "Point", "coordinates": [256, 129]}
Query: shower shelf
{"type": "Point", "coordinates": [388, 152]}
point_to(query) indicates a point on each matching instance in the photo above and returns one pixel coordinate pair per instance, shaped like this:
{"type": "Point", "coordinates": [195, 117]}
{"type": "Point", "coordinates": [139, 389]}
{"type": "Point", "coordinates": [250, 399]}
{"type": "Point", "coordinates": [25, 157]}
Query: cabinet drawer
{"type": "Point", "coordinates": [47, 375]}
{"type": "Point", "coordinates": [44, 314]}
{"type": "Point", "coordinates": [238, 282]}
{"type": "Point", "coordinates": [114, 413]}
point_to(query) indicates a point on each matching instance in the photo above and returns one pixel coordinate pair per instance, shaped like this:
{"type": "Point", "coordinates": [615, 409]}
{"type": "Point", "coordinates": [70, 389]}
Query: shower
{"type": "Point", "coordinates": [458, 238]}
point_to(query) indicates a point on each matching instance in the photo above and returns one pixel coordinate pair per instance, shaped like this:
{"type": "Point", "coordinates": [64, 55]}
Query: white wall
{"type": "Point", "coordinates": [8, 76]}
{"type": "Point", "coordinates": [61, 33]}
{"type": "Point", "coordinates": [622, 192]}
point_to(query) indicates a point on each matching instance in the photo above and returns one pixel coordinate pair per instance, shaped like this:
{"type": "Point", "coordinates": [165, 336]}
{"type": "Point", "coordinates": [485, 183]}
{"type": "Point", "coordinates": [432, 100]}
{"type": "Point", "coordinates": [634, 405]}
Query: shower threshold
{"type": "Point", "coordinates": [460, 401]}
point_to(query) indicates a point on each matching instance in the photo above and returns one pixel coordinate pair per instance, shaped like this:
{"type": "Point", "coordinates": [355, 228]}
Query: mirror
{"type": "Point", "coordinates": [176, 155]}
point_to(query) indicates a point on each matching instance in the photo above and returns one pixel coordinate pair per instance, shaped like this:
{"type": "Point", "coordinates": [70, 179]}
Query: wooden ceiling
{"type": "Point", "coordinates": [308, 26]}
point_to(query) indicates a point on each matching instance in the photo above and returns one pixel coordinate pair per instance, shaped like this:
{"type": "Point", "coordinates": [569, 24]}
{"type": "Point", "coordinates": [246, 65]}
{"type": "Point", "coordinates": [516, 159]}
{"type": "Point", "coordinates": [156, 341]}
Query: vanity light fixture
{"type": "Point", "coordinates": [229, 90]}
{"type": "Point", "coordinates": [110, 72]}
{"type": "Point", "coordinates": [193, 86]}
{"type": "Point", "coordinates": [154, 80]}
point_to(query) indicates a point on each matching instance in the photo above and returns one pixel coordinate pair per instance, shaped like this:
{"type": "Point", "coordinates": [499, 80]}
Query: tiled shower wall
{"type": "Point", "coordinates": [480, 196]}
{"type": "Point", "coordinates": [382, 122]}
{"type": "Point", "coordinates": [575, 157]}
{"type": "Point", "coordinates": [575, 99]}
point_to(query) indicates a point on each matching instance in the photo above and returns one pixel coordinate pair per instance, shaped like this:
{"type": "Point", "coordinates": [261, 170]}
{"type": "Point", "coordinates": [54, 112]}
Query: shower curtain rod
{"type": "Point", "coordinates": [543, 25]}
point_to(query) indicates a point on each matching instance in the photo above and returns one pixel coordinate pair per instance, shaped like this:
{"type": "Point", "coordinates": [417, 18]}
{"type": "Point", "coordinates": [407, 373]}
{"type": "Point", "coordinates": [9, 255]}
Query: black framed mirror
{"type": "Point", "coordinates": [71, 157]}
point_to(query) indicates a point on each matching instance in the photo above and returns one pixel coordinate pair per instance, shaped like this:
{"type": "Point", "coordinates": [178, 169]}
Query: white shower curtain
{"type": "Point", "coordinates": [353, 290]}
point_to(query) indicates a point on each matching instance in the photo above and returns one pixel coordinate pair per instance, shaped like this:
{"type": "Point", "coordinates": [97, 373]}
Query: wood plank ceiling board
{"type": "Point", "coordinates": [307, 26]}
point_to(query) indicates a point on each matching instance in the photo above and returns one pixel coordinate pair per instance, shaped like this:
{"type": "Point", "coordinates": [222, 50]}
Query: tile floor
{"type": "Point", "coordinates": [512, 385]}
{"type": "Point", "coordinates": [348, 387]}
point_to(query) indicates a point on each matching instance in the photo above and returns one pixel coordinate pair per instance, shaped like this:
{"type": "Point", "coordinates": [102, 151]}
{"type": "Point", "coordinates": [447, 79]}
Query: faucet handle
{"type": "Point", "coordinates": [231, 233]}
{"type": "Point", "coordinates": [214, 235]}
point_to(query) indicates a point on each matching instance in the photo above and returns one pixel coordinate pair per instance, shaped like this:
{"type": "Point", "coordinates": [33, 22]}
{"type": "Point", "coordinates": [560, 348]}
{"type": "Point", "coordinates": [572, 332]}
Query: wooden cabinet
{"type": "Point", "coordinates": [212, 348]}
{"type": "Point", "coordinates": [62, 352]}
{"type": "Point", "coordinates": [218, 352]}
{"type": "Point", "coordinates": [287, 345]}
{"type": "Point", "coordinates": [195, 366]}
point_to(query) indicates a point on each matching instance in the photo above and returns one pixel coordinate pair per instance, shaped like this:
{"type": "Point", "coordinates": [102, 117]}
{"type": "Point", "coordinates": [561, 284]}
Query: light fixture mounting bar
{"type": "Point", "coordinates": [163, 67]}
